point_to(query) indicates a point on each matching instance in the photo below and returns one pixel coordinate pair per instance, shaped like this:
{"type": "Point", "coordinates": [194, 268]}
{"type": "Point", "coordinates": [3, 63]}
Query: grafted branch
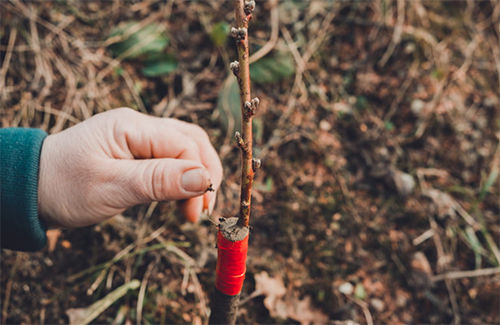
{"type": "Point", "coordinates": [232, 237]}
{"type": "Point", "coordinates": [241, 69]}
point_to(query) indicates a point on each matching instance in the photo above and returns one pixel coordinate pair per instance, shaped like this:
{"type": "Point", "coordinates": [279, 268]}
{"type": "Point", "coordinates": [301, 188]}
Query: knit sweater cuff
{"type": "Point", "coordinates": [21, 228]}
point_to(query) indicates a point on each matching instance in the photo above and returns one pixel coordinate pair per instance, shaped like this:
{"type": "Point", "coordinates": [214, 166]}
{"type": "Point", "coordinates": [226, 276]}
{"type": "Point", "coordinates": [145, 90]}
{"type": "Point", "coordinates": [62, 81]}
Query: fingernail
{"type": "Point", "coordinates": [195, 180]}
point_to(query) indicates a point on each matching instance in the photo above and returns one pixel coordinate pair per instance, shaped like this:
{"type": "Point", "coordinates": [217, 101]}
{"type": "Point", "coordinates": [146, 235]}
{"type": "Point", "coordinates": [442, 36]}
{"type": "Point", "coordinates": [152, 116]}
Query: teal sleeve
{"type": "Point", "coordinates": [21, 228]}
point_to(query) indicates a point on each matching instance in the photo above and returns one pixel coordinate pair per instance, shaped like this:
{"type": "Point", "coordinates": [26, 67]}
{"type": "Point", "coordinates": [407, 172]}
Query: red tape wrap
{"type": "Point", "coordinates": [231, 265]}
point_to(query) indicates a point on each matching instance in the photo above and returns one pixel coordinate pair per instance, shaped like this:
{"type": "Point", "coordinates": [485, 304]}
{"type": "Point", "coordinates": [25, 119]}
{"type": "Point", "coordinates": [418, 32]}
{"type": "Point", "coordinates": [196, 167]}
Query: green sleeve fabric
{"type": "Point", "coordinates": [21, 228]}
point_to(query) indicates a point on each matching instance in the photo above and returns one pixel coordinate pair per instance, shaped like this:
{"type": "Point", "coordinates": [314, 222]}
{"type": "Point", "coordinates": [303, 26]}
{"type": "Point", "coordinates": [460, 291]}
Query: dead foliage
{"type": "Point", "coordinates": [379, 139]}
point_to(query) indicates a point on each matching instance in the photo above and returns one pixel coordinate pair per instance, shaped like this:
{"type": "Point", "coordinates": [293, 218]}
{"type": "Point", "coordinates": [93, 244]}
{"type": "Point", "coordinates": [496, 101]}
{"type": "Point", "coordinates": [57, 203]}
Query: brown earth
{"type": "Point", "coordinates": [380, 161]}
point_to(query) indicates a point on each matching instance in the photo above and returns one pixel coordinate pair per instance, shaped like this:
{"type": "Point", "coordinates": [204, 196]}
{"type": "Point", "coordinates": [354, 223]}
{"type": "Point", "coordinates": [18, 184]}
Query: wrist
{"type": "Point", "coordinates": [46, 181]}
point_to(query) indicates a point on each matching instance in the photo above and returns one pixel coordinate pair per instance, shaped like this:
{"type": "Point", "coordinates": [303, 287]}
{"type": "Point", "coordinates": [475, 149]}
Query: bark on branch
{"type": "Point", "coordinates": [241, 69]}
{"type": "Point", "coordinates": [232, 237]}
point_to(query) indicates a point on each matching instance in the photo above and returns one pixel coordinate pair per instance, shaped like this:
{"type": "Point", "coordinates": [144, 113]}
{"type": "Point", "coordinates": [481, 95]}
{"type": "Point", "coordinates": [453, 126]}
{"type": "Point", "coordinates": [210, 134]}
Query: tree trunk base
{"type": "Point", "coordinates": [224, 308]}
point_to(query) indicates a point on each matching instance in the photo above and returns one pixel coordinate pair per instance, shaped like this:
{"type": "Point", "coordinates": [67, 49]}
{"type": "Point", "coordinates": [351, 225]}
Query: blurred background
{"type": "Point", "coordinates": [379, 127]}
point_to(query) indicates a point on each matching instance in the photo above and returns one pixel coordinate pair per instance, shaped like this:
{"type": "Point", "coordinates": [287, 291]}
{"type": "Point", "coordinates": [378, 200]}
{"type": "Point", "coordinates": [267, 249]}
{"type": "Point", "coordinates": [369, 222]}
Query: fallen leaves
{"type": "Point", "coordinates": [442, 203]}
{"type": "Point", "coordinates": [52, 238]}
{"type": "Point", "coordinates": [421, 272]}
{"type": "Point", "coordinates": [272, 288]}
{"type": "Point", "coordinates": [286, 305]}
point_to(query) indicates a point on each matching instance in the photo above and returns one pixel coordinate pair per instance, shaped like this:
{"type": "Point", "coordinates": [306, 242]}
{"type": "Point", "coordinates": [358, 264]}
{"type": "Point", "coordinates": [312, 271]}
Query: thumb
{"type": "Point", "coordinates": [143, 181]}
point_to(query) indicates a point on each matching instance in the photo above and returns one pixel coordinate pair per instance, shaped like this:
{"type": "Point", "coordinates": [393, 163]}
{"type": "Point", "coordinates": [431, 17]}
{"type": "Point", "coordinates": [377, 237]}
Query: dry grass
{"type": "Point", "coordinates": [382, 91]}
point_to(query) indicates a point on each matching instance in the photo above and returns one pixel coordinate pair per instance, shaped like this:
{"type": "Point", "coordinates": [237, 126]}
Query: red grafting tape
{"type": "Point", "coordinates": [231, 265]}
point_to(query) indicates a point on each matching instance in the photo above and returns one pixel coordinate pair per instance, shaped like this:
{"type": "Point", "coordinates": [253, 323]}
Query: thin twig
{"type": "Point", "coordinates": [8, 288]}
{"type": "Point", "coordinates": [97, 282]}
{"type": "Point", "coordinates": [49, 110]}
{"type": "Point", "coordinates": [302, 65]}
{"type": "Point", "coordinates": [423, 237]}
{"type": "Point", "coordinates": [493, 42]}
{"type": "Point", "coordinates": [67, 107]}
{"type": "Point", "coordinates": [434, 103]}
{"type": "Point", "coordinates": [454, 303]}
{"type": "Point", "coordinates": [137, 97]}
{"type": "Point", "coordinates": [396, 36]}
{"type": "Point", "coordinates": [441, 263]}
{"type": "Point", "coordinates": [441, 255]}
{"type": "Point", "coordinates": [469, 56]}
{"type": "Point", "coordinates": [199, 292]}
{"type": "Point", "coordinates": [275, 22]}
{"type": "Point", "coordinates": [109, 279]}
{"type": "Point", "coordinates": [8, 55]}
{"type": "Point", "coordinates": [322, 35]}
{"type": "Point", "coordinates": [185, 280]}
{"type": "Point", "coordinates": [364, 308]}
{"type": "Point", "coordinates": [123, 255]}
{"type": "Point", "coordinates": [142, 290]}
{"type": "Point", "coordinates": [190, 265]}
{"type": "Point", "coordinates": [347, 196]}
{"type": "Point", "coordinates": [412, 72]}
{"type": "Point", "coordinates": [465, 274]}
{"type": "Point", "coordinates": [301, 61]}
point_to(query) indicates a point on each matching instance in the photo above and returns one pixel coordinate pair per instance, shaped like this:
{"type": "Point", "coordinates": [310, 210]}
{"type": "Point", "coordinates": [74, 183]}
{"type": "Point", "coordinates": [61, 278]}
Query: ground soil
{"type": "Point", "coordinates": [380, 161]}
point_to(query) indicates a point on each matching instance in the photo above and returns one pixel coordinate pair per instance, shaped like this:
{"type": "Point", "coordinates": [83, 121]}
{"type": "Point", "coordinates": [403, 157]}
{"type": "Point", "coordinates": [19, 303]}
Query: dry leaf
{"type": "Point", "coordinates": [442, 202]}
{"type": "Point", "coordinates": [283, 305]}
{"type": "Point", "coordinates": [52, 237]}
{"type": "Point", "coordinates": [272, 288]}
{"type": "Point", "coordinates": [421, 271]}
{"type": "Point", "coordinates": [66, 244]}
{"type": "Point", "coordinates": [302, 311]}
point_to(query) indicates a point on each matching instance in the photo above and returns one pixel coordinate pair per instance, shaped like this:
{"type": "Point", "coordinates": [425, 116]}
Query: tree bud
{"type": "Point", "coordinates": [256, 163]}
{"type": "Point", "coordinates": [239, 140]}
{"type": "Point", "coordinates": [255, 102]}
{"type": "Point", "coordinates": [249, 7]}
{"type": "Point", "coordinates": [234, 32]}
{"type": "Point", "coordinates": [235, 68]}
{"type": "Point", "coordinates": [242, 33]}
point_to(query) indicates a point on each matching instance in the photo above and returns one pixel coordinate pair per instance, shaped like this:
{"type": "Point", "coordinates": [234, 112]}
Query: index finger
{"type": "Point", "coordinates": [209, 157]}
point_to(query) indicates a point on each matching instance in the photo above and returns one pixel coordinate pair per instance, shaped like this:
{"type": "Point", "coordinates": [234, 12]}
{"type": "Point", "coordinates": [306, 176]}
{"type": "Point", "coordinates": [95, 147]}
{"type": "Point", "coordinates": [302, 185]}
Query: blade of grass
{"type": "Point", "coordinates": [487, 236]}
{"type": "Point", "coordinates": [470, 236]}
{"type": "Point", "coordinates": [83, 316]}
{"type": "Point", "coordinates": [489, 182]}
{"type": "Point", "coordinates": [479, 226]}
{"type": "Point", "coordinates": [111, 262]}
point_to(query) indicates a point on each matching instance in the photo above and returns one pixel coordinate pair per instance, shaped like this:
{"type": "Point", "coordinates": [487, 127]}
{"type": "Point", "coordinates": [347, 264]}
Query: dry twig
{"type": "Point", "coordinates": [396, 36]}
{"type": "Point", "coordinates": [441, 264]}
{"type": "Point", "coordinates": [6, 60]}
{"type": "Point", "coordinates": [142, 290]}
{"type": "Point", "coordinates": [465, 274]}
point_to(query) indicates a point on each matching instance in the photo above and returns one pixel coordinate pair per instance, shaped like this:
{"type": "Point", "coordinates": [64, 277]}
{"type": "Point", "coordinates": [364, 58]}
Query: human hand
{"type": "Point", "coordinates": [121, 158]}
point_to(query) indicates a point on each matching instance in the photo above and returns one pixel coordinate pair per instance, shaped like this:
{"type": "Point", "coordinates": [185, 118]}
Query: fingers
{"type": "Point", "coordinates": [142, 181]}
{"type": "Point", "coordinates": [141, 136]}
{"type": "Point", "coordinates": [209, 157]}
{"type": "Point", "coordinates": [192, 208]}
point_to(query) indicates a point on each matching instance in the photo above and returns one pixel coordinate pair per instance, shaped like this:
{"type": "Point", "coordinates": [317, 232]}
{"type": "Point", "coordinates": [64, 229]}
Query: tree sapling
{"type": "Point", "coordinates": [232, 237]}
